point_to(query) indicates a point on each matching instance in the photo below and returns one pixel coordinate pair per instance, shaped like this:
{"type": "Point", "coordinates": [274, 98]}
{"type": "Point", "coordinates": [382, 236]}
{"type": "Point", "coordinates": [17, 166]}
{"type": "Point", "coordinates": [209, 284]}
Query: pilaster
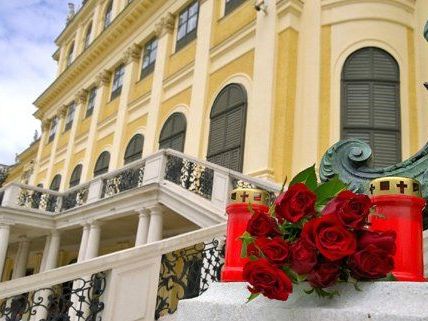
{"type": "Point", "coordinates": [102, 82]}
{"type": "Point", "coordinates": [200, 78]}
{"type": "Point", "coordinates": [131, 60]}
{"type": "Point", "coordinates": [164, 30]}
{"type": "Point", "coordinates": [43, 138]}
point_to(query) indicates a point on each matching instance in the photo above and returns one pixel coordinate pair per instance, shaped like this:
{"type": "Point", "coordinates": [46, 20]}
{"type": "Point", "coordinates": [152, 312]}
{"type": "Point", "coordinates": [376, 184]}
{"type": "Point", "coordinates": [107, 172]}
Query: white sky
{"type": "Point", "coordinates": [27, 32]}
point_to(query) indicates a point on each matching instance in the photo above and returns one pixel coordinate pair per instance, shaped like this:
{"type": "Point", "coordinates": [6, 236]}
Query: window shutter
{"type": "Point", "coordinates": [102, 164]}
{"type": "Point", "coordinates": [134, 150]}
{"type": "Point", "coordinates": [75, 176]}
{"type": "Point", "coordinates": [173, 133]}
{"type": "Point", "coordinates": [371, 103]}
{"type": "Point", "coordinates": [227, 128]}
{"type": "Point", "coordinates": [56, 182]}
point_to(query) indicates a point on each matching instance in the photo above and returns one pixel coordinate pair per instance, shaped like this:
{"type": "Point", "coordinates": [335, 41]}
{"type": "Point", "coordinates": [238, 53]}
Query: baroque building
{"type": "Point", "coordinates": [247, 90]}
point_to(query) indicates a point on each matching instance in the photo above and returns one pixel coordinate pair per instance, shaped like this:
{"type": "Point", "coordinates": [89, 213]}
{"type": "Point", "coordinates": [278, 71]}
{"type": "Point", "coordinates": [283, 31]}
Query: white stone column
{"type": "Point", "coordinates": [80, 100]}
{"type": "Point", "coordinates": [131, 59]}
{"type": "Point", "coordinates": [102, 82]}
{"type": "Point", "coordinates": [83, 243]}
{"type": "Point", "coordinates": [21, 259]}
{"type": "Point", "coordinates": [94, 238]}
{"type": "Point", "coordinates": [54, 245]}
{"type": "Point", "coordinates": [143, 227]}
{"type": "Point", "coordinates": [4, 242]}
{"type": "Point", "coordinates": [45, 254]}
{"type": "Point", "coordinates": [156, 224]}
{"type": "Point", "coordinates": [200, 78]}
{"type": "Point", "coordinates": [164, 33]}
{"type": "Point", "coordinates": [60, 127]}
{"type": "Point", "coordinates": [259, 125]}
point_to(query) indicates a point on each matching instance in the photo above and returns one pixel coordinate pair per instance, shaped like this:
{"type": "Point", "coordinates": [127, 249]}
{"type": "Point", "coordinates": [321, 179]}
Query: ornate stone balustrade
{"type": "Point", "coordinates": [211, 182]}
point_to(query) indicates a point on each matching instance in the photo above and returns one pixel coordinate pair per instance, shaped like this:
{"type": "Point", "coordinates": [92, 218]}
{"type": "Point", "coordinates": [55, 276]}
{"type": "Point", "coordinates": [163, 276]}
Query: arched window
{"type": "Point", "coordinates": [56, 182]}
{"type": "Point", "coordinates": [134, 150]}
{"type": "Point", "coordinates": [70, 55]}
{"type": "Point", "coordinates": [173, 133]}
{"type": "Point", "coordinates": [75, 176]}
{"type": "Point", "coordinates": [227, 128]}
{"type": "Point", "coordinates": [88, 34]}
{"type": "Point", "coordinates": [101, 166]}
{"type": "Point", "coordinates": [108, 14]}
{"type": "Point", "coordinates": [370, 103]}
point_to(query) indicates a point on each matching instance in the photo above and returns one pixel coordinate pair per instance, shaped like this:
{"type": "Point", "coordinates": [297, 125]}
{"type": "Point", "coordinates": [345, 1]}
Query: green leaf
{"type": "Point", "coordinates": [309, 291]}
{"type": "Point", "coordinates": [326, 294]}
{"type": "Point", "coordinates": [252, 297]}
{"type": "Point", "coordinates": [326, 191]}
{"type": "Point", "coordinates": [307, 177]}
{"type": "Point", "coordinates": [389, 278]}
{"type": "Point", "coordinates": [246, 239]}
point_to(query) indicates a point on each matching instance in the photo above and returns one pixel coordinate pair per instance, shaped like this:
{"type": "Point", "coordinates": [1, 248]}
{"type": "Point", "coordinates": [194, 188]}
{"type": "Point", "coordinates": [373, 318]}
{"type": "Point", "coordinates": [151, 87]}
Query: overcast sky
{"type": "Point", "coordinates": [27, 32]}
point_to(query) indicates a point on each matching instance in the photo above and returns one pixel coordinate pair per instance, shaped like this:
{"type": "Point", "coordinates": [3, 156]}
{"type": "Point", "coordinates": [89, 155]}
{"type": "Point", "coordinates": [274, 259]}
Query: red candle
{"type": "Point", "coordinates": [238, 216]}
{"type": "Point", "coordinates": [398, 207]}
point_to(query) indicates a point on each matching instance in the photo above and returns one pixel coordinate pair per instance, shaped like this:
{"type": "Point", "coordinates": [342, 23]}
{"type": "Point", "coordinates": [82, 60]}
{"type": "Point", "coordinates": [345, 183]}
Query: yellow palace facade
{"type": "Point", "coordinates": [262, 88]}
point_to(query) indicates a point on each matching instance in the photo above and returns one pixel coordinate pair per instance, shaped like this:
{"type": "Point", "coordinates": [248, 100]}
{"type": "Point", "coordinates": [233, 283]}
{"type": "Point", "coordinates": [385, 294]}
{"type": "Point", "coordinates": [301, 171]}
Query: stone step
{"type": "Point", "coordinates": [378, 301]}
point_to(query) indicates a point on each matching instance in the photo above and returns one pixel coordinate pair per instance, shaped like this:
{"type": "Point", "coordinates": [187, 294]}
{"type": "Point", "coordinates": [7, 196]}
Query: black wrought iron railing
{"type": "Point", "coordinates": [190, 175]}
{"type": "Point", "coordinates": [79, 300]}
{"type": "Point", "coordinates": [75, 198]}
{"type": "Point", "coordinates": [40, 200]}
{"type": "Point", "coordinates": [128, 178]}
{"type": "Point", "coordinates": [187, 273]}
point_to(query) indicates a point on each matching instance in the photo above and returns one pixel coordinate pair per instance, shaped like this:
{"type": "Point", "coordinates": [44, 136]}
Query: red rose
{"type": "Point", "coordinates": [352, 209]}
{"type": "Point", "coordinates": [303, 257]}
{"type": "Point", "coordinates": [324, 275]}
{"type": "Point", "coordinates": [263, 225]}
{"type": "Point", "coordinates": [382, 240]}
{"type": "Point", "coordinates": [370, 263]}
{"type": "Point", "coordinates": [297, 202]}
{"type": "Point", "coordinates": [267, 279]}
{"type": "Point", "coordinates": [329, 237]}
{"type": "Point", "coordinates": [277, 250]}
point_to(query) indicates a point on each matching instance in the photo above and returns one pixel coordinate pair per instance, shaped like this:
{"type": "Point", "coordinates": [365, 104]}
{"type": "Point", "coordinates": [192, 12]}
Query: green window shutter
{"type": "Point", "coordinates": [102, 164]}
{"type": "Point", "coordinates": [134, 150]}
{"type": "Point", "coordinates": [173, 133]}
{"type": "Point", "coordinates": [75, 176]}
{"type": "Point", "coordinates": [371, 103]}
{"type": "Point", "coordinates": [227, 128]}
{"type": "Point", "coordinates": [56, 182]}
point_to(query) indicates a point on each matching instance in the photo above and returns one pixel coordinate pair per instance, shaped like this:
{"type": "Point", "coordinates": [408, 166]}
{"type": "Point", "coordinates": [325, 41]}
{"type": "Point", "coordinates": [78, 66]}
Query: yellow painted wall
{"type": "Point", "coordinates": [100, 146]}
{"type": "Point", "coordinates": [325, 99]}
{"type": "Point", "coordinates": [285, 104]}
{"type": "Point", "coordinates": [63, 140]}
{"type": "Point", "coordinates": [232, 23]}
{"type": "Point", "coordinates": [41, 176]}
{"type": "Point", "coordinates": [131, 130]}
{"type": "Point", "coordinates": [14, 174]}
{"type": "Point", "coordinates": [76, 159]}
{"type": "Point", "coordinates": [180, 59]}
{"type": "Point", "coordinates": [413, 111]}
{"type": "Point", "coordinates": [57, 169]}
{"type": "Point", "coordinates": [83, 126]}
{"type": "Point", "coordinates": [182, 98]}
{"type": "Point", "coordinates": [109, 109]}
{"type": "Point", "coordinates": [141, 88]}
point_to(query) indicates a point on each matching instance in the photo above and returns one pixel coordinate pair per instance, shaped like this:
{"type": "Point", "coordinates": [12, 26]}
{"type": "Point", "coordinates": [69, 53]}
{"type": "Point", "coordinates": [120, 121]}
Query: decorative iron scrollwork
{"type": "Point", "coordinates": [190, 175]}
{"type": "Point", "coordinates": [128, 179]}
{"type": "Point", "coordinates": [78, 300]}
{"type": "Point", "coordinates": [75, 198]}
{"type": "Point", "coordinates": [187, 273]}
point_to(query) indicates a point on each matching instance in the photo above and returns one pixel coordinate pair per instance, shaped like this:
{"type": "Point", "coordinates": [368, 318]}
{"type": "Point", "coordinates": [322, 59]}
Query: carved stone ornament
{"type": "Point", "coordinates": [81, 96]}
{"type": "Point", "coordinates": [165, 25]}
{"type": "Point", "coordinates": [103, 78]}
{"type": "Point", "coordinates": [46, 124]}
{"type": "Point", "coordinates": [62, 111]}
{"type": "Point", "coordinates": [133, 53]}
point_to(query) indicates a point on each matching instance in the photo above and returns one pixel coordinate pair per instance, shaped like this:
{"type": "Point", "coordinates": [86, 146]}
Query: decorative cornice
{"type": "Point", "coordinates": [46, 124]}
{"type": "Point", "coordinates": [165, 25]}
{"type": "Point", "coordinates": [133, 53]}
{"type": "Point", "coordinates": [103, 78]}
{"type": "Point", "coordinates": [81, 96]}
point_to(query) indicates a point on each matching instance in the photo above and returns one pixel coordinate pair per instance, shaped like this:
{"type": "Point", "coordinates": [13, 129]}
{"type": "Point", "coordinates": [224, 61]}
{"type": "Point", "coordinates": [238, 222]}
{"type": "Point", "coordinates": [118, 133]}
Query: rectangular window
{"type": "Point", "coordinates": [116, 89]}
{"type": "Point", "coordinates": [52, 130]}
{"type": "Point", "coordinates": [149, 58]}
{"type": "Point", "coordinates": [232, 5]}
{"type": "Point", "coordinates": [91, 101]}
{"type": "Point", "coordinates": [187, 25]}
{"type": "Point", "coordinates": [70, 116]}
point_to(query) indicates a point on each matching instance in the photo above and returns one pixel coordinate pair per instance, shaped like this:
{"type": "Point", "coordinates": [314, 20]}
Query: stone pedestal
{"type": "Point", "coordinates": [379, 301]}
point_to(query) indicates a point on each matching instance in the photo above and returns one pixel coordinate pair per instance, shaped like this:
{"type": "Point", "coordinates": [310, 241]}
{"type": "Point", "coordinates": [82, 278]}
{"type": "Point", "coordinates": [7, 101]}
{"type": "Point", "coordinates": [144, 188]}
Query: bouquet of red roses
{"type": "Point", "coordinates": [315, 233]}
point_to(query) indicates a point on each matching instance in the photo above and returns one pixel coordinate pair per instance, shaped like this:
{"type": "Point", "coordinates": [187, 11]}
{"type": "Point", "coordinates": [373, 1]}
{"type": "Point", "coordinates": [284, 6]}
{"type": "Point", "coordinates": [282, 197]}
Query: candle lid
{"type": "Point", "coordinates": [395, 186]}
{"type": "Point", "coordinates": [250, 196]}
